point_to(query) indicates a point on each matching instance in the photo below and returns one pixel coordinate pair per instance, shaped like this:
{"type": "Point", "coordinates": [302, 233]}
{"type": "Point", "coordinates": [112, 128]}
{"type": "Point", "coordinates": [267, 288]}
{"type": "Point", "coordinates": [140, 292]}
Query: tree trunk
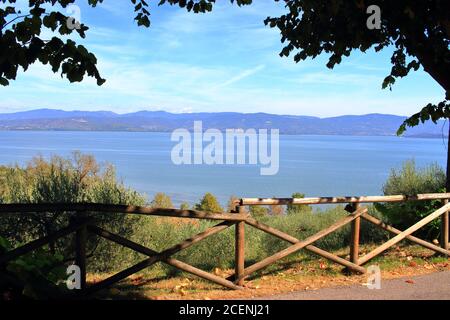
{"type": "Point", "coordinates": [447, 181]}
{"type": "Point", "coordinates": [439, 70]}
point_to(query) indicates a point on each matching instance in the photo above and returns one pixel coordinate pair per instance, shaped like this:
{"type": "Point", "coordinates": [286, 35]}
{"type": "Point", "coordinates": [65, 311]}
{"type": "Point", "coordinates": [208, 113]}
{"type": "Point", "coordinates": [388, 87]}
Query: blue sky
{"type": "Point", "coordinates": [226, 60]}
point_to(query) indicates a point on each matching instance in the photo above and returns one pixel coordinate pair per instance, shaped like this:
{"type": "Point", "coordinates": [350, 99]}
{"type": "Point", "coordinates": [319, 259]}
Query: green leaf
{"type": "Point", "coordinates": [4, 81]}
{"type": "Point", "coordinates": [4, 244]}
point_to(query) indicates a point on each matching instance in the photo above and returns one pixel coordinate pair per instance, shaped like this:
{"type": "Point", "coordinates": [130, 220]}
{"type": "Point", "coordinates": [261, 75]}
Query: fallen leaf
{"type": "Point", "coordinates": [410, 281]}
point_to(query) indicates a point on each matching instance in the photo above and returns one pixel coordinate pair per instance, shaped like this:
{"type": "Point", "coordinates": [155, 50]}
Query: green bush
{"type": "Point", "coordinates": [162, 200]}
{"type": "Point", "coordinates": [184, 206]}
{"type": "Point", "coordinates": [369, 233]}
{"type": "Point", "coordinates": [410, 180]}
{"type": "Point", "coordinates": [36, 275]}
{"type": "Point", "coordinates": [259, 211]}
{"type": "Point", "coordinates": [209, 203]}
{"type": "Point", "coordinates": [298, 208]}
{"type": "Point", "coordinates": [78, 178]}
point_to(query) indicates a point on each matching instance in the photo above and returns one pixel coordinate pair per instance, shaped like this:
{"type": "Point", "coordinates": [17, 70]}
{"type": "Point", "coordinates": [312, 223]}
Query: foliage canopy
{"type": "Point", "coordinates": [410, 180]}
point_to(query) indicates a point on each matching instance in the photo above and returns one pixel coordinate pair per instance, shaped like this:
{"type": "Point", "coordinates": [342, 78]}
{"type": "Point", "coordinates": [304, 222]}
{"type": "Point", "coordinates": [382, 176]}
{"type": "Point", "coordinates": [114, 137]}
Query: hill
{"type": "Point", "coordinates": [161, 121]}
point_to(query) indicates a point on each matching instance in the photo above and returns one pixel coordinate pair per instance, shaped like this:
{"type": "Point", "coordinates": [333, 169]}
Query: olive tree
{"type": "Point", "coordinates": [76, 179]}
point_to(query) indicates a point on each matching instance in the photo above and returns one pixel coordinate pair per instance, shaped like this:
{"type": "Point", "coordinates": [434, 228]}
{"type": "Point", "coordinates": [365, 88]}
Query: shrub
{"type": "Point", "coordinates": [259, 211]}
{"type": "Point", "coordinates": [36, 275]}
{"type": "Point", "coordinates": [276, 210]}
{"type": "Point", "coordinates": [410, 180]}
{"type": "Point", "coordinates": [298, 208]}
{"type": "Point", "coordinates": [209, 203]}
{"type": "Point", "coordinates": [78, 178]}
{"type": "Point", "coordinates": [184, 206]}
{"type": "Point", "coordinates": [369, 233]}
{"type": "Point", "coordinates": [161, 200]}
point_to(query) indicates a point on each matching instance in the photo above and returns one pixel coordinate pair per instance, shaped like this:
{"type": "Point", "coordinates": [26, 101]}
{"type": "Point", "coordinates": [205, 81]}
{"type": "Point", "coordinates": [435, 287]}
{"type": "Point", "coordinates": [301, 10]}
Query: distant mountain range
{"type": "Point", "coordinates": [161, 121]}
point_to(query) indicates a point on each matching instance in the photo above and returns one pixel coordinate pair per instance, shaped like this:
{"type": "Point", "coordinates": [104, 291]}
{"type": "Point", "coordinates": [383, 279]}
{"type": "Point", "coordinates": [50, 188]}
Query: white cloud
{"type": "Point", "coordinates": [240, 76]}
{"type": "Point", "coordinates": [338, 78]}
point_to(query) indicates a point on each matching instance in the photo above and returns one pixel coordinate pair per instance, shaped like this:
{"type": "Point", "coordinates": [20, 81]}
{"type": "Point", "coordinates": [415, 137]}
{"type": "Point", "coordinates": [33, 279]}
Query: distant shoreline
{"type": "Point", "coordinates": [425, 136]}
{"type": "Point", "coordinates": [373, 124]}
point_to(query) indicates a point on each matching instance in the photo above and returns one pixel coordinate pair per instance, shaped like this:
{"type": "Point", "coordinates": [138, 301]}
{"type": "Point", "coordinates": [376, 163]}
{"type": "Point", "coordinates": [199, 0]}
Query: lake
{"type": "Point", "coordinates": [314, 165]}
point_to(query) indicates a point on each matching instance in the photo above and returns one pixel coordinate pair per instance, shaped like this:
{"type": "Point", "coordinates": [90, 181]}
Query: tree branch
{"type": "Point", "coordinates": [11, 21]}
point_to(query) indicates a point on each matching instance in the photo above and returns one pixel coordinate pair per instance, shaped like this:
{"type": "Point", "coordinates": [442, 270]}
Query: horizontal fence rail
{"type": "Point", "coordinates": [335, 200]}
{"type": "Point", "coordinates": [83, 224]}
{"type": "Point", "coordinates": [114, 208]}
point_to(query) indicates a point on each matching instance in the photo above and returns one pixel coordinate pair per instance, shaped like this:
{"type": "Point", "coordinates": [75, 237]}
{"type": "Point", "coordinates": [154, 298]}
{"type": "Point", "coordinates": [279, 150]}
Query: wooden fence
{"type": "Point", "coordinates": [82, 224]}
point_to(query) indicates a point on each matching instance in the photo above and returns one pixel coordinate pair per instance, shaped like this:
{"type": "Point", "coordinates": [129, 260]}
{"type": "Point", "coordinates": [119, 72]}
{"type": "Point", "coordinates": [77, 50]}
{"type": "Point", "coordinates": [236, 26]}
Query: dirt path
{"type": "Point", "coordinates": [435, 286]}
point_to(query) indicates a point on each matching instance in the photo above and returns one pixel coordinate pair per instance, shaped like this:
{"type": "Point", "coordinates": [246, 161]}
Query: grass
{"type": "Point", "coordinates": [294, 273]}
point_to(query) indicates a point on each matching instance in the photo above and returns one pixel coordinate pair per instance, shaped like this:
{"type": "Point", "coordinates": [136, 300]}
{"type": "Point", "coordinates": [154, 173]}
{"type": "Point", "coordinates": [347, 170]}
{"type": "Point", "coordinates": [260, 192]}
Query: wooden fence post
{"type": "Point", "coordinates": [355, 231]}
{"type": "Point", "coordinates": [80, 249]}
{"type": "Point", "coordinates": [240, 249]}
{"type": "Point", "coordinates": [445, 229]}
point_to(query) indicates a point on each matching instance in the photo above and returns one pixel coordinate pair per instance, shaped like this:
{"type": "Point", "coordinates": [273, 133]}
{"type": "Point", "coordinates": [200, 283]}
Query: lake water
{"type": "Point", "coordinates": [314, 165]}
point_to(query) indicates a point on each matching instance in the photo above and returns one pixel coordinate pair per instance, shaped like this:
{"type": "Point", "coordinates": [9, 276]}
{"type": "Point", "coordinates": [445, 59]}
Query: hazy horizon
{"type": "Point", "coordinates": [191, 112]}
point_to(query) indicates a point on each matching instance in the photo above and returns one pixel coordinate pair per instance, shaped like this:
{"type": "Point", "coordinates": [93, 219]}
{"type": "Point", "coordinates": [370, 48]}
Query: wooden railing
{"type": "Point", "coordinates": [356, 213]}
{"type": "Point", "coordinates": [83, 224]}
